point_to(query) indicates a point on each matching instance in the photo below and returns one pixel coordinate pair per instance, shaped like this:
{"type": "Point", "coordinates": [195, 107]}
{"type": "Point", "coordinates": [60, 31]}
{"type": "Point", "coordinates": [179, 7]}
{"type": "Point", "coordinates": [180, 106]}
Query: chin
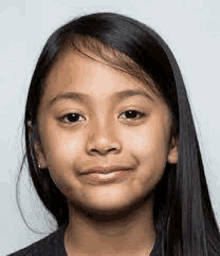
{"type": "Point", "coordinates": [110, 211]}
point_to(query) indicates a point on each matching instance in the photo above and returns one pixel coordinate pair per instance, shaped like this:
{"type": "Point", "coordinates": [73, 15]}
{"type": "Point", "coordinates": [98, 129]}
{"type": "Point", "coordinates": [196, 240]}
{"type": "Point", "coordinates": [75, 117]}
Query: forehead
{"type": "Point", "coordinates": [76, 72]}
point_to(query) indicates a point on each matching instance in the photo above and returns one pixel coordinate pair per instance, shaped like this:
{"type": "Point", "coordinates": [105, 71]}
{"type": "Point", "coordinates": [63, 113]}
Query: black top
{"type": "Point", "coordinates": [53, 245]}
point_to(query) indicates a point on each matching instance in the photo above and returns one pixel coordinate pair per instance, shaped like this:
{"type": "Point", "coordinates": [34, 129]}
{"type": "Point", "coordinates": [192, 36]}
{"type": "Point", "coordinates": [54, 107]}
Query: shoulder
{"type": "Point", "coordinates": [50, 245]}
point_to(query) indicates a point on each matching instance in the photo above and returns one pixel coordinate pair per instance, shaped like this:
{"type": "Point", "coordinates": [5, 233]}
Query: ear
{"type": "Point", "coordinates": [173, 152]}
{"type": "Point", "coordinates": [39, 155]}
{"type": "Point", "coordinates": [38, 150]}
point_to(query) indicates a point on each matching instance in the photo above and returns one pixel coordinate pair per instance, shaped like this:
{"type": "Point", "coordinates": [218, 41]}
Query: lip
{"type": "Point", "coordinates": [97, 178]}
{"type": "Point", "coordinates": [106, 170]}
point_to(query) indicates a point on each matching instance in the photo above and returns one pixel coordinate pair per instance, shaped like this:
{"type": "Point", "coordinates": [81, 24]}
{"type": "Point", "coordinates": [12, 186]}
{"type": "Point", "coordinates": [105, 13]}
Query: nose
{"type": "Point", "coordinates": [102, 141]}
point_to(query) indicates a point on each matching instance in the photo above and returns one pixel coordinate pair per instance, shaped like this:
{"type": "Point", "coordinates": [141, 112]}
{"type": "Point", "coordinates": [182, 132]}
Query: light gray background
{"type": "Point", "coordinates": [190, 27]}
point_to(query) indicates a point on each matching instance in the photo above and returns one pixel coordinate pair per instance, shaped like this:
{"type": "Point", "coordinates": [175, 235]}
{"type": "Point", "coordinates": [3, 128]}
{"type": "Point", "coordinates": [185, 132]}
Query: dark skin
{"type": "Point", "coordinates": [111, 219]}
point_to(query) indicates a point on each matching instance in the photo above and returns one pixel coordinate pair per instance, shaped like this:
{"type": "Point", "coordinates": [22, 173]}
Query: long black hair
{"type": "Point", "coordinates": [183, 213]}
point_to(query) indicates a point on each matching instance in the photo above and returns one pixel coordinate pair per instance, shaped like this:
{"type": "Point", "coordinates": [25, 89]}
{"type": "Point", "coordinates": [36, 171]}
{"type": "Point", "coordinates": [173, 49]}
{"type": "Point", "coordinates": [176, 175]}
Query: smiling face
{"type": "Point", "coordinates": [97, 129]}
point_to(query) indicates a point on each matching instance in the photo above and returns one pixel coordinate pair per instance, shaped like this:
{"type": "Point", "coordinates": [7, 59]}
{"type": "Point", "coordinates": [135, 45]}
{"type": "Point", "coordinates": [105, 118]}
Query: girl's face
{"type": "Point", "coordinates": [97, 129]}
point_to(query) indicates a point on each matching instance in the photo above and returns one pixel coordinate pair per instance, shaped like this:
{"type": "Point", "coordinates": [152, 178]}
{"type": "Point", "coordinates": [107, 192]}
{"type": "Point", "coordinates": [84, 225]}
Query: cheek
{"type": "Point", "coordinates": [150, 146]}
{"type": "Point", "coordinates": [150, 140]}
{"type": "Point", "coordinates": [61, 147]}
{"type": "Point", "coordinates": [151, 153]}
{"type": "Point", "coordinates": [61, 150]}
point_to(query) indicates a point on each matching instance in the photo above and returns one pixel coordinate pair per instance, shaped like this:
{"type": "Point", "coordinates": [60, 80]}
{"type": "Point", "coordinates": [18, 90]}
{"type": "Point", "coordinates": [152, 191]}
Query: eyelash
{"type": "Point", "coordinates": [141, 114]}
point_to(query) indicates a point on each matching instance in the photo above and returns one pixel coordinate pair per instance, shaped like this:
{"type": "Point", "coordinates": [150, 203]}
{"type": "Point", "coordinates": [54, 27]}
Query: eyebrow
{"type": "Point", "coordinates": [83, 98]}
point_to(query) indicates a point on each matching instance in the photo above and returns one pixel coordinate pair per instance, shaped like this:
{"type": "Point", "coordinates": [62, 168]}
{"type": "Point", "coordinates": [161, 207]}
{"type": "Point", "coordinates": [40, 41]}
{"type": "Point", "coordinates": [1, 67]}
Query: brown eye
{"type": "Point", "coordinates": [70, 117]}
{"type": "Point", "coordinates": [74, 117]}
{"type": "Point", "coordinates": [131, 114]}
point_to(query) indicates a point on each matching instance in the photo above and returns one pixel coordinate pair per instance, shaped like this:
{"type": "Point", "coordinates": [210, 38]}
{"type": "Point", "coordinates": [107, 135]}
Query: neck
{"type": "Point", "coordinates": [128, 232]}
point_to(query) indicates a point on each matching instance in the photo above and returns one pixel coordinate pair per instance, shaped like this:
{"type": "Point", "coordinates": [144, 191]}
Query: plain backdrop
{"type": "Point", "coordinates": [191, 28]}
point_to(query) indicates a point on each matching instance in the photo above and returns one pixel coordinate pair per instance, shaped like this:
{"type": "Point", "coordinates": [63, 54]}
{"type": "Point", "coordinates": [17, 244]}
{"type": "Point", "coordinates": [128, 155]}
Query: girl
{"type": "Point", "coordinates": [112, 147]}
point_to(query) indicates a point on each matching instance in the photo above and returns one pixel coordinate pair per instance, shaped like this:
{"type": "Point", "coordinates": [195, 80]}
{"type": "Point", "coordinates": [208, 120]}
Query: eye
{"type": "Point", "coordinates": [74, 117]}
{"type": "Point", "coordinates": [71, 117]}
{"type": "Point", "coordinates": [131, 114]}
